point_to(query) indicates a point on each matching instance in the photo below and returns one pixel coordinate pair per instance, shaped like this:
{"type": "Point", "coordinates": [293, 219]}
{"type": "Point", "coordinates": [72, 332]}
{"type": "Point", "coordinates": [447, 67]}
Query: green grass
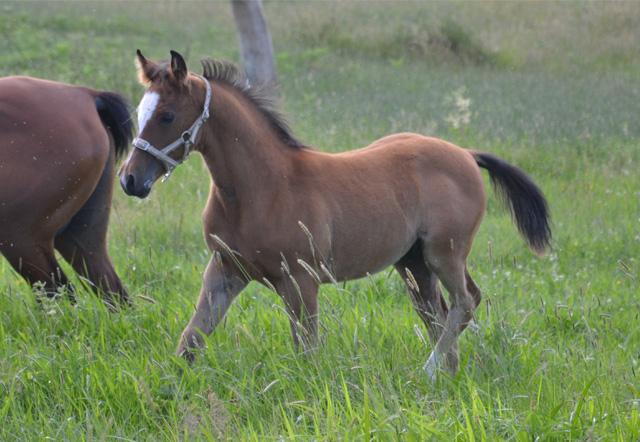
{"type": "Point", "coordinates": [557, 349]}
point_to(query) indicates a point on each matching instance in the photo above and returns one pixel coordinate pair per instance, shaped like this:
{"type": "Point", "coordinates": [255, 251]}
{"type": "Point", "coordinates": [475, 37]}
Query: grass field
{"type": "Point", "coordinates": [553, 88]}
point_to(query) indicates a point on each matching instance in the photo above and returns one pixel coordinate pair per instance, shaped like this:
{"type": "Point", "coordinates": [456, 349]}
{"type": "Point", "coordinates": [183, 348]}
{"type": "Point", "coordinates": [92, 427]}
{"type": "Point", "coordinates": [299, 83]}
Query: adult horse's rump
{"type": "Point", "coordinates": [58, 147]}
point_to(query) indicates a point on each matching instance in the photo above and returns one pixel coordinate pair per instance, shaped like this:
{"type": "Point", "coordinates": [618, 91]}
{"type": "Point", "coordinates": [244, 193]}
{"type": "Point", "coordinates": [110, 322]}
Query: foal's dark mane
{"type": "Point", "coordinates": [261, 96]}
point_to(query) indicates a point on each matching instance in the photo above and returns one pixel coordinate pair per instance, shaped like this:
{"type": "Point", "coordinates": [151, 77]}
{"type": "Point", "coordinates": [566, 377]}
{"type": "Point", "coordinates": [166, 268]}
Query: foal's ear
{"type": "Point", "coordinates": [146, 69]}
{"type": "Point", "coordinates": [178, 67]}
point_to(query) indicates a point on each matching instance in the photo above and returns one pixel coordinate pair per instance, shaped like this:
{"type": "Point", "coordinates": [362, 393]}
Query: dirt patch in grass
{"type": "Point", "coordinates": [212, 418]}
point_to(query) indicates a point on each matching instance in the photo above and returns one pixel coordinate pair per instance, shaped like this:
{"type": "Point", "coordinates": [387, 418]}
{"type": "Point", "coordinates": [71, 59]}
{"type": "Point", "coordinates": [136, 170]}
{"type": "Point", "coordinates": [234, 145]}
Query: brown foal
{"type": "Point", "coordinates": [58, 147]}
{"type": "Point", "coordinates": [292, 217]}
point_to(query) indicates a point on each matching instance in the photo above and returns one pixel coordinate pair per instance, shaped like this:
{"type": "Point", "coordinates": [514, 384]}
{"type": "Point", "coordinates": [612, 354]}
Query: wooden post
{"type": "Point", "coordinates": [255, 42]}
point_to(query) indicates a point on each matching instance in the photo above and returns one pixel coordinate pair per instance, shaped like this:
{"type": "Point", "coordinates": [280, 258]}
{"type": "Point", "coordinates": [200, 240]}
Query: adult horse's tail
{"type": "Point", "coordinates": [525, 200]}
{"type": "Point", "coordinates": [114, 113]}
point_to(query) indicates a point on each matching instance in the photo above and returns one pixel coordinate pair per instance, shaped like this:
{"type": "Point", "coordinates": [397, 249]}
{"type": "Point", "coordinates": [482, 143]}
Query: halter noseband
{"type": "Point", "coordinates": [188, 138]}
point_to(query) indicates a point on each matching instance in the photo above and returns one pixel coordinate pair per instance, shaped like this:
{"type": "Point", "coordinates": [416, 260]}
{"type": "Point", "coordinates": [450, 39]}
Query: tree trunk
{"type": "Point", "coordinates": [255, 42]}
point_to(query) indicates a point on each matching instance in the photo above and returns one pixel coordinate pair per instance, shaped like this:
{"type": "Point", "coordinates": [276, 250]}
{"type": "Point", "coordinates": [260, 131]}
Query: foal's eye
{"type": "Point", "coordinates": [167, 117]}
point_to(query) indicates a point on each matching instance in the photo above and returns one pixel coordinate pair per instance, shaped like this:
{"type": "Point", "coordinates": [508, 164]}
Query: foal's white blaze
{"type": "Point", "coordinates": [146, 108]}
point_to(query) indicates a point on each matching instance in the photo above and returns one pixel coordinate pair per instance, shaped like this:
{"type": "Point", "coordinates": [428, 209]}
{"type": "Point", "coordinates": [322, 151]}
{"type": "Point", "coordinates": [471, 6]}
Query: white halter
{"type": "Point", "coordinates": [188, 138]}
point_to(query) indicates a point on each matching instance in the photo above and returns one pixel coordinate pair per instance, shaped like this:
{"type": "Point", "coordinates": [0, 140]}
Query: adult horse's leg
{"type": "Point", "coordinates": [448, 262]}
{"type": "Point", "coordinates": [422, 284]}
{"type": "Point", "coordinates": [37, 264]}
{"type": "Point", "coordinates": [300, 295]}
{"type": "Point", "coordinates": [83, 242]}
{"type": "Point", "coordinates": [220, 286]}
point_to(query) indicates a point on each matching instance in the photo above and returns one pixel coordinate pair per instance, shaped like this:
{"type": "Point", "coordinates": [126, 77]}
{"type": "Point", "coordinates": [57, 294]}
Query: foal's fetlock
{"type": "Point", "coordinates": [452, 362]}
{"type": "Point", "coordinates": [432, 366]}
{"type": "Point", "coordinates": [437, 362]}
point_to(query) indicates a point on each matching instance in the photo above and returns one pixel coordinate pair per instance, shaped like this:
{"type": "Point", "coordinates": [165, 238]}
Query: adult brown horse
{"type": "Point", "coordinates": [292, 218]}
{"type": "Point", "coordinates": [58, 146]}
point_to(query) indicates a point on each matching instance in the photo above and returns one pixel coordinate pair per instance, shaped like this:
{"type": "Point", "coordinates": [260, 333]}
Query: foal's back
{"type": "Point", "coordinates": [417, 174]}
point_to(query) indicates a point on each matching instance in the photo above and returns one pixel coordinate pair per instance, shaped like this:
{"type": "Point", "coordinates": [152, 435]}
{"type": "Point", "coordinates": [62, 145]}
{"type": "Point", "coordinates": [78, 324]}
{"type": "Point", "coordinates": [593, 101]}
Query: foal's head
{"type": "Point", "coordinates": [173, 105]}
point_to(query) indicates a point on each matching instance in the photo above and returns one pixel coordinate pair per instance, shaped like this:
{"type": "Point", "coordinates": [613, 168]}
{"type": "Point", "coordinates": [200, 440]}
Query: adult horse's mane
{"type": "Point", "coordinates": [261, 97]}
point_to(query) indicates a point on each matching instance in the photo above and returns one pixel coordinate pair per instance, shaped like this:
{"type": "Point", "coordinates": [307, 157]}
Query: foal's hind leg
{"type": "Point", "coordinates": [423, 288]}
{"type": "Point", "coordinates": [448, 262]}
{"type": "Point", "coordinates": [83, 243]}
{"type": "Point", "coordinates": [427, 298]}
{"type": "Point", "coordinates": [473, 288]}
{"type": "Point", "coordinates": [38, 265]}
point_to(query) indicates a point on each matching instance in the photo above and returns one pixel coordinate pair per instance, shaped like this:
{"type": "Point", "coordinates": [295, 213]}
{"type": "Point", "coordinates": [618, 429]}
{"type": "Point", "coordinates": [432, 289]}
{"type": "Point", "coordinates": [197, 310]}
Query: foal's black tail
{"type": "Point", "coordinates": [525, 200]}
{"type": "Point", "coordinates": [114, 113]}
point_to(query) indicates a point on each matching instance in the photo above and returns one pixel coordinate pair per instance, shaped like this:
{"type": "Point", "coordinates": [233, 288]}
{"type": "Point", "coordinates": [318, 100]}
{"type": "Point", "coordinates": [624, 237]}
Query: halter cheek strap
{"type": "Point", "coordinates": [187, 139]}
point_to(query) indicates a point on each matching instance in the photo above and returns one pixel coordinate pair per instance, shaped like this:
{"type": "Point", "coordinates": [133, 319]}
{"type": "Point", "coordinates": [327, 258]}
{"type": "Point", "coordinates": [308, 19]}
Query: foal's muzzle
{"type": "Point", "coordinates": [134, 187]}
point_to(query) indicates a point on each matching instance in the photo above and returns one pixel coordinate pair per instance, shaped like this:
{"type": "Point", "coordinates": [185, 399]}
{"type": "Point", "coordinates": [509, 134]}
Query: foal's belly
{"type": "Point", "coordinates": [371, 248]}
{"type": "Point", "coordinates": [356, 270]}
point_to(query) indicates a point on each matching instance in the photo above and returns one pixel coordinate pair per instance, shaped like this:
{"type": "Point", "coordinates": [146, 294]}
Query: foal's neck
{"type": "Point", "coordinates": [244, 155]}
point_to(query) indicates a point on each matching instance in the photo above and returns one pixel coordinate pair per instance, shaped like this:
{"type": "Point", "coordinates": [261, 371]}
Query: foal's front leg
{"type": "Point", "coordinates": [220, 286]}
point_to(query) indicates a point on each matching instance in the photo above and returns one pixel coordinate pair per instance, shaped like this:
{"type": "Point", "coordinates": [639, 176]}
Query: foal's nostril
{"type": "Point", "coordinates": [129, 184]}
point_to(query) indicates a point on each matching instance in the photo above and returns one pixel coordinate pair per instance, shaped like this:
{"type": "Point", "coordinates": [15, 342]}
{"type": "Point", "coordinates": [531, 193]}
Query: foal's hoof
{"type": "Point", "coordinates": [190, 342]}
{"type": "Point", "coordinates": [186, 354]}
